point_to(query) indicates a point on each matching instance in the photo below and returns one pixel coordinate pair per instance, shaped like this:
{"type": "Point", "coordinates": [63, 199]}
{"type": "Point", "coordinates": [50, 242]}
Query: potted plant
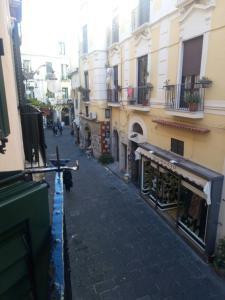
{"type": "Point", "coordinates": [145, 102]}
{"type": "Point", "coordinates": [193, 100]}
{"type": "Point", "coordinates": [205, 82]}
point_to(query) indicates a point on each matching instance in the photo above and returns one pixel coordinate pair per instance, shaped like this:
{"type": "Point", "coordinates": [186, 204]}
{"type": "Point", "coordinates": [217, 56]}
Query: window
{"type": "Point", "coordinates": [76, 103]}
{"type": "Point", "coordinates": [87, 111]}
{"type": "Point", "coordinates": [115, 30]}
{"type": "Point", "coordinates": [49, 71]}
{"type": "Point", "coordinates": [27, 66]}
{"type": "Point", "coordinates": [142, 90]}
{"type": "Point", "coordinates": [4, 121]}
{"type": "Point", "coordinates": [144, 10]}
{"type": "Point", "coordinates": [64, 72]}
{"type": "Point", "coordinates": [85, 40]}
{"type": "Point", "coordinates": [65, 93]}
{"type": "Point", "coordinates": [107, 113]}
{"type": "Point", "coordinates": [62, 48]}
{"type": "Point", "coordinates": [137, 128]}
{"type": "Point", "coordinates": [177, 146]}
{"type": "Point", "coordinates": [86, 80]}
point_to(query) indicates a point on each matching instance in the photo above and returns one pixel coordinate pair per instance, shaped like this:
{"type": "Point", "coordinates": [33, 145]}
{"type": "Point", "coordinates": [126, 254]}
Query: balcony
{"type": "Point", "coordinates": [139, 98]}
{"type": "Point", "coordinates": [113, 97]}
{"type": "Point", "coordinates": [185, 100]}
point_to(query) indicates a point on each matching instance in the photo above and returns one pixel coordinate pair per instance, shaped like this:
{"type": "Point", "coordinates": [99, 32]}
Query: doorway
{"type": "Point", "coordinates": [65, 116]}
{"type": "Point", "coordinates": [135, 165]}
{"type": "Point", "coordinates": [116, 145]}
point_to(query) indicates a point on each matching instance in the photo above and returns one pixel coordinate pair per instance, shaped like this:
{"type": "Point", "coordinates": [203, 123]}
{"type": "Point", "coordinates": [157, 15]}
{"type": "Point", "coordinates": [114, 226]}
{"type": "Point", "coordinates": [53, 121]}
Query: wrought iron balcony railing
{"type": "Point", "coordinates": [185, 97]}
{"type": "Point", "coordinates": [112, 95]}
{"type": "Point", "coordinates": [139, 96]}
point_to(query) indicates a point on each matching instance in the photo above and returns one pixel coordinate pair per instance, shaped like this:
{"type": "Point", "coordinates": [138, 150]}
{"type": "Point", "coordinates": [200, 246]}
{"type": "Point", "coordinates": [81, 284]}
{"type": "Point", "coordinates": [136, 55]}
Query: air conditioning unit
{"type": "Point", "coordinates": [92, 115]}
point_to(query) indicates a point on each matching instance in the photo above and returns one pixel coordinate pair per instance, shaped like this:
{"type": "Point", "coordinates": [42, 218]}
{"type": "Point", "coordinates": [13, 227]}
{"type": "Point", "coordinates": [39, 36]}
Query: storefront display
{"type": "Point", "coordinates": [193, 211]}
{"type": "Point", "coordinates": [160, 184]}
{"type": "Point", "coordinates": [188, 194]}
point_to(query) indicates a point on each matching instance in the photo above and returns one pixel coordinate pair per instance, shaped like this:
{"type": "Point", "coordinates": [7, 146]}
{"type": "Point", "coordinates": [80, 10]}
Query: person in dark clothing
{"type": "Point", "coordinates": [60, 128]}
{"type": "Point", "coordinates": [67, 179]}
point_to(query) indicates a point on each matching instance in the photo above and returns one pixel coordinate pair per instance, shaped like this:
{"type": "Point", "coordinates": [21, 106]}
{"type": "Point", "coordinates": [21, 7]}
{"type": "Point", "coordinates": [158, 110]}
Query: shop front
{"type": "Point", "coordinates": [188, 194]}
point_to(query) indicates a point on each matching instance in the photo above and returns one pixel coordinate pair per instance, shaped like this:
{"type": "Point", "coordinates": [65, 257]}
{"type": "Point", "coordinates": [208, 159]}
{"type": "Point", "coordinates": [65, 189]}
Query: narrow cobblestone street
{"type": "Point", "coordinates": [119, 248]}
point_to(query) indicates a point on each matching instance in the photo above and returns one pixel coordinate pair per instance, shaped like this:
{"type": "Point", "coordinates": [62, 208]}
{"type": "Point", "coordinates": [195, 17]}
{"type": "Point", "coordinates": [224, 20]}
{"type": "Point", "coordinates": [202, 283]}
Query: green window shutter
{"type": "Point", "coordinates": [4, 121]}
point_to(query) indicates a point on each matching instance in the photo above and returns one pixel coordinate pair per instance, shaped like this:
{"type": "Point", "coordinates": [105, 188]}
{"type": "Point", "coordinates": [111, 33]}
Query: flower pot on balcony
{"type": "Point", "coordinates": [193, 101]}
{"type": "Point", "coordinates": [145, 102]}
{"type": "Point", "coordinates": [193, 106]}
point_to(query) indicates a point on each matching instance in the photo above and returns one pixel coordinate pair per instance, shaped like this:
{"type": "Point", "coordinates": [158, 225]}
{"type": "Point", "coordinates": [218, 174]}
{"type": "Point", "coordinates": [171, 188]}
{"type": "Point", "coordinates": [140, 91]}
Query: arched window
{"type": "Point", "coordinates": [137, 128]}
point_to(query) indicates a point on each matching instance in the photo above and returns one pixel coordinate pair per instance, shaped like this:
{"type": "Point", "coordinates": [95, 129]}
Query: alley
{"type": "Point", "coordinates": [119, 247]}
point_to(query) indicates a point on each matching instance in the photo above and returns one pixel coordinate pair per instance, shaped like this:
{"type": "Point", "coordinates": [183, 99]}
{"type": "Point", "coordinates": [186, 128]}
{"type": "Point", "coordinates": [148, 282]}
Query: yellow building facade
{"type": "Point", "coordinates": [164, 83]}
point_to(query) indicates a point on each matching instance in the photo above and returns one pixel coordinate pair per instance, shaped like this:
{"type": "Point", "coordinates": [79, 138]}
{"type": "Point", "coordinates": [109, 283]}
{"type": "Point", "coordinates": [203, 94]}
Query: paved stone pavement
{"type": "Point", "coordinates": [119, 247]}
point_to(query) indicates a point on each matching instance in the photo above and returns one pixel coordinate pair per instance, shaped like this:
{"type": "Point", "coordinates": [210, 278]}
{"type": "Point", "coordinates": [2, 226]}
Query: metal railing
{"type": "Point", "coordinates": [185, 97]}
{"type": "Point", "coordinates": [112, 95]}
{"type": "Point", "coordinates": [139, 96]}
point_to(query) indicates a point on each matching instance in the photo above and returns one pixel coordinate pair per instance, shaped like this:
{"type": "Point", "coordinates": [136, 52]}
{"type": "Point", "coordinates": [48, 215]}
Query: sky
{"type": "Point", "coordinates": [46, 22]}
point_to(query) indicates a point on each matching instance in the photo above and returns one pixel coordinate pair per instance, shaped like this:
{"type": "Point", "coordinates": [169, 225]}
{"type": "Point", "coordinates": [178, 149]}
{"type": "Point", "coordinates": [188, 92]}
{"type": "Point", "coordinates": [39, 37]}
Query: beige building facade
{"type": "Point", "coordinates": [13, 157]}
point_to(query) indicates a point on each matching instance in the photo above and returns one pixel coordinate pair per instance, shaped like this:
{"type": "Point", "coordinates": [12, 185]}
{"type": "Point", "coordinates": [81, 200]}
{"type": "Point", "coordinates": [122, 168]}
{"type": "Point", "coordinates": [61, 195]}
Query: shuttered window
{"type": "Point", "coordinates": [4, 121]}
{"type": "Point", "coordinates": [85, 40]}
{"type": "Point", "coordinates": [144, 10]}
{"type": "Point", "coordinates": [115, 30]}
{"type": "Point", "coordinates": [192, 56]}
{"type": "Point", "coordinates": [177, 146]}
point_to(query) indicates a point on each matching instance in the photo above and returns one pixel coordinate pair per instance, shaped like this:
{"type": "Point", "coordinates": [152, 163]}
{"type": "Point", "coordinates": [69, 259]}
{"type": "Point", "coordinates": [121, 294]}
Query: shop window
{"type": "Point", "coordinates": [107, 113]}
{"type": "Point", "coordinates": [181, 200]}
{"type": "Point", "coordinates": [193, 211]}
{"type": "Point", "coordinates": [177, 146]}
{"type": "Point", "coordinates": [160, 185]}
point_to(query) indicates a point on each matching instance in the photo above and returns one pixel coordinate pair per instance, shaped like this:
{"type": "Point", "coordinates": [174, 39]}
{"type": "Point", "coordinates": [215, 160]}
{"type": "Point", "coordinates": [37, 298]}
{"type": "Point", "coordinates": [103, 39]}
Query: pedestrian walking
{"type": "Point", "coordinates": [54, 129]}
{"type": "Point", "coordinates": [67, 179]}
{"type": "Point", "coordinates": [60, 128]}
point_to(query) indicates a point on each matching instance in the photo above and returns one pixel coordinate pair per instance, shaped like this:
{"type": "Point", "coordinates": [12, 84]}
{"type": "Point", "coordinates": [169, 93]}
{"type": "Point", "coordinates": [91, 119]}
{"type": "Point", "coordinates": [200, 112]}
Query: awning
{"type": "Point", "coordinates": [181, 126]}
{"type": "Point", "coordinates": [172, 165]}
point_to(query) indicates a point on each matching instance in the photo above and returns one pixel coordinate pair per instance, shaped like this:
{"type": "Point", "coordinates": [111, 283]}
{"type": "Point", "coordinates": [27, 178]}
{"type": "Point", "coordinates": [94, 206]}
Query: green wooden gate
{"type": "Point", "coordinates": [24, 239]}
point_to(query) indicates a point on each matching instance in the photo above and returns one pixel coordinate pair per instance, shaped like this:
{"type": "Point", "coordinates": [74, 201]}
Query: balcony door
{"type": "Point", "coordinates": [86, 85]}
{"type": "Point", "coordinates": [142, 79]}
{"type": "Point", "coordinates": [192, 55]}
{"type": "Point", "coordinates": [115, 82]}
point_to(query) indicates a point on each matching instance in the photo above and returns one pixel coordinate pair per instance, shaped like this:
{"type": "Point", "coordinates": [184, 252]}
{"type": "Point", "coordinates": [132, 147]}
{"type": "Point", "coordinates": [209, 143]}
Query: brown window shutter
{"type": "Point", "coordinates": [192, 56]}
